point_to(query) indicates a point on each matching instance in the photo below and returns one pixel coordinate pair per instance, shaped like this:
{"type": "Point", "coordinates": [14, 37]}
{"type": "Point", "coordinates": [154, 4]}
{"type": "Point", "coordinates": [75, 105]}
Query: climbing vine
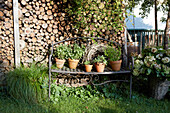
{"type": "Point", "coordinates": [96, 17]}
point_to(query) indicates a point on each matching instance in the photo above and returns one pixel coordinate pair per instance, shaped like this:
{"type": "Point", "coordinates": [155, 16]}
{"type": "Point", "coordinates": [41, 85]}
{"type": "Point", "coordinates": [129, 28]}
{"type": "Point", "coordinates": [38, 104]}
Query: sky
{"type": "Point", "coordinates": [147, 22]}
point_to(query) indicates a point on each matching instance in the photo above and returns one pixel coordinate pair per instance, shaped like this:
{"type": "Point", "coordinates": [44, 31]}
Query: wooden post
{"type": "Point", "coordinates": [125, 47]}
{"type": "Point", "coordinates": [16, 33]}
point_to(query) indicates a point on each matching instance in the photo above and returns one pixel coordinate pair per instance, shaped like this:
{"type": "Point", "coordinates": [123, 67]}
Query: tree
{"type": "Point", "coordinates": [167, 28]}
{"type": "Point", "coordinates": [160, 5]}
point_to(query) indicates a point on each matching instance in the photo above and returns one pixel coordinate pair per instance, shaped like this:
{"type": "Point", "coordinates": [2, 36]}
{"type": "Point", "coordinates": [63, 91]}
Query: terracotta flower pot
{"type": "Point", "coordinates": [59, 63]}
{"type": "Point", "coordinates": [88, 68]}
{"type": "Point", "coordinates": [99, 67]}
{"type": "Point", "coordinates": [116, 65]}
{"type": "Point", "coordinates": [73, 63]}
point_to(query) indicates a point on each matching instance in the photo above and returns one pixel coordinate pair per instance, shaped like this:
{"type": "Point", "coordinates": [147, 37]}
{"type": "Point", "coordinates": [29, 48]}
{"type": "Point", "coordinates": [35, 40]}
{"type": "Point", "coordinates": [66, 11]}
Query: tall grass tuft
{"type": "Point", "coordinates": [28, 84]}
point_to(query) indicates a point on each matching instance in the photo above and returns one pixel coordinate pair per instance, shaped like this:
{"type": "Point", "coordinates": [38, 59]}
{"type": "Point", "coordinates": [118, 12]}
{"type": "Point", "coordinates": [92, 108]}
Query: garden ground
{"type": "Point", "coordinates": [139, 104]}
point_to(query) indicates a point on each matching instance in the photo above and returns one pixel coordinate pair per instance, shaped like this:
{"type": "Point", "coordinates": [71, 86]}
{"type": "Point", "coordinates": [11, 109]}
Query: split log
{"type": "Point", "coordinates": [49, 29]}
{"type": "Point", "coordinates": [41, 9]}
{"type": "Point", "coordinates": [45, 17]}
{"type": "Point", "coordinates": [7, 25]}
{"type": "Point", "coordinates": [23, 2]}
{"type": "Point", "coordinates": [8, 4]}
{"type": "Point", "coordinates": [44, 25]}
{"type": "Point", "coordinates": [24, 10]}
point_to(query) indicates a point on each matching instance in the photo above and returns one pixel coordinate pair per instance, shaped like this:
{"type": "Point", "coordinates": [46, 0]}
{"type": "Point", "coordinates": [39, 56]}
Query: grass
{"type": "Point", "coordinates": [139, 104]}
{"type": "Point", "coordinates": [25, 83]}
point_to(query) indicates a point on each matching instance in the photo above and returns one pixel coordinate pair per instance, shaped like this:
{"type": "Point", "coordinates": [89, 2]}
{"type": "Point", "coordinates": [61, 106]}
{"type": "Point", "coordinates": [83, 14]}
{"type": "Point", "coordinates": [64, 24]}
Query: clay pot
{"type": "Point", "coordinates": [59, 63]}
{"type": "Point", "coordinates": [73, 63]}
{"type": "Point", "coordinates": [88, 68]}
{"type": "Point", "coordinates": [116, 65]}
{"type": "Point", "coordinates": [99, 67]}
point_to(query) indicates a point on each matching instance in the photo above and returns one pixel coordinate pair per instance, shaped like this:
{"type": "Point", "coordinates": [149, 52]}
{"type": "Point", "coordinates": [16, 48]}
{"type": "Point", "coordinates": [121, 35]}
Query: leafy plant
{"type": "Point", "coordinates": [100, 59]}
{"type": "Point", "coordinates": [114, 54]}
{"type": "Point", "coordinates": [61, 51]}
{"type": "Point", "coordinates": [87, 62]}
{"type": "Point", "coordinates": [61, 91]}
{"type": "Point", "coordinates": [75, 52]}
{"type": "Point", "coordinates": [153, 61]}
{"type": "Point", "coordinates": [28, 84]}
{"type": "Point", "coordinates": [56, 93]}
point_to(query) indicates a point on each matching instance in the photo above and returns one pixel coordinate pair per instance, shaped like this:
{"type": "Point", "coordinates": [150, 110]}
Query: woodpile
{"type": "Point", "coordinates": [40, 23]}
{"type": "Point", "coordinates": [6, 37]}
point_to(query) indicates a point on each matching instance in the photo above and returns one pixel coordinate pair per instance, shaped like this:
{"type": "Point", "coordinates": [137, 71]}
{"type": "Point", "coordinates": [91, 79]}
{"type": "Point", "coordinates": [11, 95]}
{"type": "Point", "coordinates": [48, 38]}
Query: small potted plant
{"type": "Point", "coordinates": [114, 55]}
{"type": "Point", "coordinates": [88, 67]}
{"type": "Point", "coordinates": [74, 55]}
{"type": "Point", "coordinates": [60, 55]}
{"type": "Point", "coordinates": [100, 63]}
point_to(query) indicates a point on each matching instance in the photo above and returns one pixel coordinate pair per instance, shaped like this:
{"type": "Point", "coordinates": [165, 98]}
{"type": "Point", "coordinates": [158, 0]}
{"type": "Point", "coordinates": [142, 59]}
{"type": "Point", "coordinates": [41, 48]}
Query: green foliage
{"type": "Point", "coordinates": [68, 51]}
{"type": "Point", "coordinates": [56, 93]}
{"type": "Point", "coordinates": [61, 52]}
{"type": "Point", "coordinates": [139, 103]}
{"type": "Point", "coordinates": [113, 54]}
{"type": "Point", "coordinates": [96, 16]}
{"type": "Point", "coordinates": [83, 93]}
{"type": "Point", "coordinates": [75, 52]}
{"type": "Point", "coordinates": [153, 62]}
{"type": "Point", "coordinates": [28, 84]}
{"type": "Point", "coordinates": [146, 6]}
{"type": "Point", "coordinates": [87, 62]}
{"type": "Point", "coordinates": [9, 105]}
{"type": "Point", "coordinates": [100, 59]}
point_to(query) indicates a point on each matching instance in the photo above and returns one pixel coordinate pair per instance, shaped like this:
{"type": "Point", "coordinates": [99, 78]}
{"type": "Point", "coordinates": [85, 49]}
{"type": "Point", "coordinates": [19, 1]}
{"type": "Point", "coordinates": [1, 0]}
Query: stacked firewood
{"type": "Point", "coordinates": [6, 36]}
{"type": "Point", "coordinates": [40, 23]}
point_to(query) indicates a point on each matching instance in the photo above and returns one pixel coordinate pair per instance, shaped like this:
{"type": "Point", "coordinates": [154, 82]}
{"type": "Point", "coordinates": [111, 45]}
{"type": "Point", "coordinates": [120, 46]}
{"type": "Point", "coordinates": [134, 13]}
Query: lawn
{"type": "Point", "coordinates": [139, 104]}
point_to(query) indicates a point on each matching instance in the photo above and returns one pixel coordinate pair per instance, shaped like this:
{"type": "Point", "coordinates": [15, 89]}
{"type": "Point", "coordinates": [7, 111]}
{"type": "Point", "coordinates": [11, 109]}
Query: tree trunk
{"type": "Point", "coordinates": [167, 29]}
{"type": "Point", "coordinates": [158, 88]}
{"type": "Point", "coordinates": [156, 25]}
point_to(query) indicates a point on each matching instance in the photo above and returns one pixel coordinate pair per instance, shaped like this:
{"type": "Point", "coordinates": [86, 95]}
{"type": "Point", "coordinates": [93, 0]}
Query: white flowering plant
{"type": "Point", "coordinates": [153, 61]}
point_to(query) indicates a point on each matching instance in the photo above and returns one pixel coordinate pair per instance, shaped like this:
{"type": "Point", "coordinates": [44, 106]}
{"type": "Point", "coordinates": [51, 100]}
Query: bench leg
{"type": "Point", "coordinates": [130, 86]}
{"type": "Point", "coordinates": [49, 91]}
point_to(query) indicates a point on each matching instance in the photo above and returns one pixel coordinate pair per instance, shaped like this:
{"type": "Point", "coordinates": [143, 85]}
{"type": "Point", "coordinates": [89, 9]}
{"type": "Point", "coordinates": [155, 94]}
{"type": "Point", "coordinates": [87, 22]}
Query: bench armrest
{"type": "Point", "coordinates": [50, 62]}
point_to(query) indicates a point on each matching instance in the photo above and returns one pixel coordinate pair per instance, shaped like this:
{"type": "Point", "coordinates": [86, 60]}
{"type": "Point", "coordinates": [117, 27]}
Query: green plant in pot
{"type": "Point", "coordinates": [74, 54]}
{"type": "Point", "coordinates": [114, 55]}
{"type": "Point", "coordinates": [60, 55]}
{"type": "Point", "coordinates": [100, 63]}
{"type": "Point", "coordinates": [88, 66]}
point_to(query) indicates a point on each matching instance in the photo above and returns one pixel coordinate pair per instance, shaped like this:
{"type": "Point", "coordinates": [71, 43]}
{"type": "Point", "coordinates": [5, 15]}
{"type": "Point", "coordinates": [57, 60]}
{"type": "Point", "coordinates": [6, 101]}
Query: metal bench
{"type": "Point", "coordinates": [126, 67]}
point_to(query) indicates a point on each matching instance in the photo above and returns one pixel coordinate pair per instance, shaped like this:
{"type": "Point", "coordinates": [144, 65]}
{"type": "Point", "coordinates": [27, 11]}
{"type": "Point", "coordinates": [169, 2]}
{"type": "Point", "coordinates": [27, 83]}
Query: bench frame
{"type": "Point", "coordinates": [125, 72]}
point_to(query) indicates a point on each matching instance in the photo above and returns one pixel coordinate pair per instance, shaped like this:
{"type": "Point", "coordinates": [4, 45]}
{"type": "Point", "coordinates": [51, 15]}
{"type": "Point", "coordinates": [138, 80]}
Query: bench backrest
{"type": "Point", "coordinates": [87, 41]}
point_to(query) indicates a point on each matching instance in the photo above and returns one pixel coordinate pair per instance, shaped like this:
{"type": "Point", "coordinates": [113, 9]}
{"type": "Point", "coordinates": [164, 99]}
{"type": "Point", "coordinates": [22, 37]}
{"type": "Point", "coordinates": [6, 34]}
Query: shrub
{"type": "Point", "coordinates": [28, 84]}
{"type": "Point", "coordinates": [83, 93]}
{"type": "Point", "coordinates": [153, 61]}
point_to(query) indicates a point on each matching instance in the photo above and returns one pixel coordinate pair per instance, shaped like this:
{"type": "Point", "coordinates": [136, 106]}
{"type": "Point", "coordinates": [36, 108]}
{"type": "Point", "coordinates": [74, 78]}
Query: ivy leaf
{"type": "Point", "coordinates": [162, 73]}
{"type": "Point", "coordinates": [148, 71]}
{"type": "Point", "coordinates": [157, 74]}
